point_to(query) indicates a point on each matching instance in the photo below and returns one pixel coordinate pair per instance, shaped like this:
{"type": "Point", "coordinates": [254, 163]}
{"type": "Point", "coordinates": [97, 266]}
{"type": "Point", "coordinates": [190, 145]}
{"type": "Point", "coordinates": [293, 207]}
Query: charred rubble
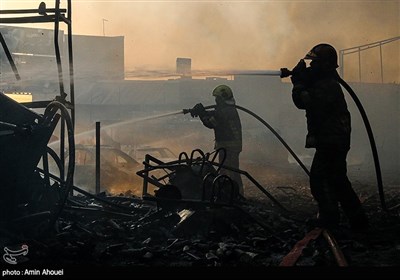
{"type": "Point", "coordinates": [194, 218]}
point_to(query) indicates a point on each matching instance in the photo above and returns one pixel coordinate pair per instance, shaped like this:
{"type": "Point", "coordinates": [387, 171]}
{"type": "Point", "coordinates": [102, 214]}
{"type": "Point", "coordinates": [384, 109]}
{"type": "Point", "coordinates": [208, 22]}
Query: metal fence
{"type": "Point", "coordinates": [361, 48]}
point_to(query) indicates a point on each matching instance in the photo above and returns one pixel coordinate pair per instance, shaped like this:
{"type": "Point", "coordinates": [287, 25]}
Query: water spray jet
{"type": "Point", "coordinates": [92, 131]}
{"type": "Point", "coordinates": [185, 111]}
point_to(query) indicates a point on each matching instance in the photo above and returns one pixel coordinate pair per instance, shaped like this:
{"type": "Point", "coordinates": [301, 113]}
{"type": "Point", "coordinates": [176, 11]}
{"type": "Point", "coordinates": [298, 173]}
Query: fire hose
{"type": "Point", "coordinates": [185, 111]}
{"type": "Point", "coordinates": [55, 106]}
{"type": "Point", "coordinates": [371, 140]}
{"type": "Point", "coordinates": [286, 73]}
{"type": "Point", "coordinates": [283, 73]}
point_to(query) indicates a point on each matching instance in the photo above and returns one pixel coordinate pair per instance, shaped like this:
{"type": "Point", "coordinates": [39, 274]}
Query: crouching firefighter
{"type": "Point", "coordinates": [225, 122]}
{"type": "Point", "coordinates": [318, 92]}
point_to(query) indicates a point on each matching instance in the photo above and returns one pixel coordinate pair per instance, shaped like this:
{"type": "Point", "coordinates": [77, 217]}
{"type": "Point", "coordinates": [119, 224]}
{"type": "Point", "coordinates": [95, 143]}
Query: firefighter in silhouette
{"type": "Point", "coordinates": [318, 92]}
{"type": "Point", "coordinates": [225, 122]}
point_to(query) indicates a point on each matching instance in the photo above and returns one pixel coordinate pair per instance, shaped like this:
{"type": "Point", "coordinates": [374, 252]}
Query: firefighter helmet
{"type": "Point", "coordinates": [324, 53]}
{"type": "Point", "coordinates": [223, 91]}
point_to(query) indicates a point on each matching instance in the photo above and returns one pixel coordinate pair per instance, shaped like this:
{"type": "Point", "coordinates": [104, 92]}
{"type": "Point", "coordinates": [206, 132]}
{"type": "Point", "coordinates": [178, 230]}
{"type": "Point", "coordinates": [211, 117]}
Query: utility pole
{"type": "Point", "coordinates": [104, 33]}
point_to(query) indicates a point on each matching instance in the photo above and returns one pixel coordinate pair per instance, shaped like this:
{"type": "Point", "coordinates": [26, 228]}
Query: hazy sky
{"type": "Point", "coordinates": [230, 34]}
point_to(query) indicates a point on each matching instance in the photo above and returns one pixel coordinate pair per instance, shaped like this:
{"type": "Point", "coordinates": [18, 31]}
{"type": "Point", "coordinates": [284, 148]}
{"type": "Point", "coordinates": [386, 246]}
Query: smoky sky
{"type": "Point", "coordinates": [232, 34]}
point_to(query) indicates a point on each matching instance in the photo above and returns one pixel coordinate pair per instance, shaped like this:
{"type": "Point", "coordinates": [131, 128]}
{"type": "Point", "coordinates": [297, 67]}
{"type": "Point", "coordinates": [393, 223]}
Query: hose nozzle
{"type": "Point", "coordinates": [285, 73]}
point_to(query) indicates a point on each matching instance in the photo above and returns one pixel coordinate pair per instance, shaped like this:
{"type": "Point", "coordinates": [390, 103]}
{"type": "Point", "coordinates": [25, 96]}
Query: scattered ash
{"type": "Point", "coordinates": [126, 231]}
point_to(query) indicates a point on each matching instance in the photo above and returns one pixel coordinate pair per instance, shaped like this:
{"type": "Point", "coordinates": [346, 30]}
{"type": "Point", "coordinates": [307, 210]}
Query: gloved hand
{"type": "Point", "coordinates": [299, 72]}
{"type": "Point", "coordinates": [198, 110]}
{"type": "Point", "coordinates": [285, 73]}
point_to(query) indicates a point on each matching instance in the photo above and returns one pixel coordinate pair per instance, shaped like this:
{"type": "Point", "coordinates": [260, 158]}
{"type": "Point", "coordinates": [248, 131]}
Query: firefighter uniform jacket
{"type": "Point", "coordinates": [328, 119]}
{"type": "Point", "coordinates": [227, 127]}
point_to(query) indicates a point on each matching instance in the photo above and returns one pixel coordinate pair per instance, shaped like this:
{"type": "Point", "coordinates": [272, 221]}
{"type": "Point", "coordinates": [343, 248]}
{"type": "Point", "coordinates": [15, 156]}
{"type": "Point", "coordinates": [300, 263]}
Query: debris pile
{"type": "Point", "coordinates": [128, 231]}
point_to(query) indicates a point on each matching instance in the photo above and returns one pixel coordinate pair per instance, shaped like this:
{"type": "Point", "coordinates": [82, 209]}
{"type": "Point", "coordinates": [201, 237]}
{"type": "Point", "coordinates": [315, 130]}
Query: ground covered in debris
{"type": "Point", "coordinates": [125, 231]}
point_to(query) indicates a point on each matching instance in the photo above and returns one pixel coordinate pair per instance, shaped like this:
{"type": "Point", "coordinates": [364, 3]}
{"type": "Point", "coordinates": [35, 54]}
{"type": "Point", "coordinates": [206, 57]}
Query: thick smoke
{"type": "Point", "coordinates": [239, 34]}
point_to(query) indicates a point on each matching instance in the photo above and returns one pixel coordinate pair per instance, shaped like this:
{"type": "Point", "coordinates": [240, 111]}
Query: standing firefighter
{"type": "Point", "coordinates": [227, 129]}
{"type": "Point", "coordinates": [317, 91]}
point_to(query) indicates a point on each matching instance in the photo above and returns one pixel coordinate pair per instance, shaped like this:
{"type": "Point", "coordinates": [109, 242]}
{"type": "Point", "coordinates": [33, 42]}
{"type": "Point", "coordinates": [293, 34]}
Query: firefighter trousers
{"type": "Point", "coordinates": [331, 187]}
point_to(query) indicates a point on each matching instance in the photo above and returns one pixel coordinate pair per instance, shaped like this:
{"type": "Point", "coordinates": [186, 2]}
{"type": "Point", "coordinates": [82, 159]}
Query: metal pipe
{"type": "Point", "coordinates": [255, 72]}
{"type": "Point", "coordinates": [30, 11]}
{"type": "Point", "coordinates": [359, 64]}
{"type": "Point", "coordinates": [380, 57]}
{"type": "Point", "coordinates": [97, 157]}
{"type": "Point", "coordinates": [46, 178]}
{"type": "Point", "coordinates": [103, 212]}
{"type": "Point", "coordinates": [146, 173]}
{"type": "Point", "coordinates": [36, 19]}
{"type": "Point", "coordinates": [71, 63]}
{"type": "Point", "coordinates": [254, 181]}
{"type": "Point", "coordinates": [9, 57]}
{"type": "Point", "coordinates": [371, 45]}
{"type": "Point", "coordinates": [9, 125]}
{"type": "Point", "coordinates": [57, 50]}
{"type": "Point", "coordinates": [104, 32]}
{"type": "Point", "coordinates": [337, 252]}
{"type": "Point", "coordinates": [341, 63]}
{"type": "Point", "coordinates": [237, 72]}
{"type": "Point", "coordinates": [62, 147]}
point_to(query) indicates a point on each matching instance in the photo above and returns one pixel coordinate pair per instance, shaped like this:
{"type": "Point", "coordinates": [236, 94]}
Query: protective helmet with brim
{"type": "Point", "coordinates": [223, 91]}
{"type": "Point", "coordinates": [324, 53]}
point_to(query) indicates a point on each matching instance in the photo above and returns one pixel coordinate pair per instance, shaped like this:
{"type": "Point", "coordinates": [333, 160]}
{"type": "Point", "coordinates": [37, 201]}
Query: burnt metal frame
{"type": "Point", "coordinates": [9, 57]}
{"type": "Point", "coordinates": [174, 164]}
{"type": "Point", "coordinates": [56, 16]}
